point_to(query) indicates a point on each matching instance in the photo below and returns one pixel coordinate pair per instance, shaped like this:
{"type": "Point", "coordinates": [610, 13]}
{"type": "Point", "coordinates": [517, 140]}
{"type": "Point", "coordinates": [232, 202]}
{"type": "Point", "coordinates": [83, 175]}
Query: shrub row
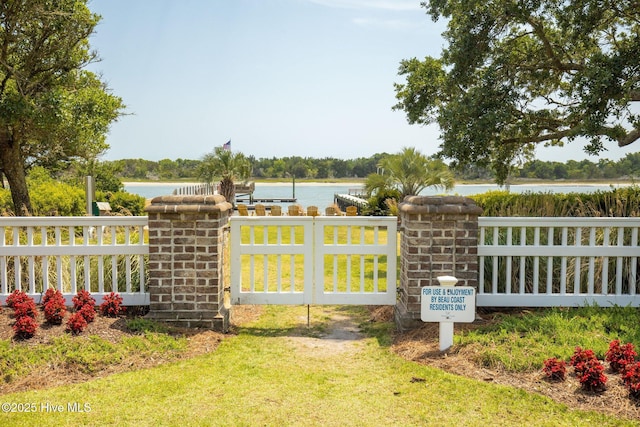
{"type": "Point", "coordinates": [590, 371]}
{"type": "Point", "coordinates": [618, 202]}
{"type": "Point", "coordinates": [53, 305]}
{"type": "Point", "coordinates": [52, 197]}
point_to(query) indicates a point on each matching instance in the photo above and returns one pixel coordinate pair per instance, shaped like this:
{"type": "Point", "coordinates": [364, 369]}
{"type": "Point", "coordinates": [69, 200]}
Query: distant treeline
{"type": "Point", "coordinates": [328, 168]}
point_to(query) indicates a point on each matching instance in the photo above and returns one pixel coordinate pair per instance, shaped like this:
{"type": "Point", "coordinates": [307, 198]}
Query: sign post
{"type": "Point", "coordinates": [447, 304]}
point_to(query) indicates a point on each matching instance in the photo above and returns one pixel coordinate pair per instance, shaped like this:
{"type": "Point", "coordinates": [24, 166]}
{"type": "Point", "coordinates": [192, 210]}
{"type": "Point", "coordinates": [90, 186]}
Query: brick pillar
{"type": "Point", "coordinates": [439, 237]}
{"type": "Point", "coordinates": [186, 286]}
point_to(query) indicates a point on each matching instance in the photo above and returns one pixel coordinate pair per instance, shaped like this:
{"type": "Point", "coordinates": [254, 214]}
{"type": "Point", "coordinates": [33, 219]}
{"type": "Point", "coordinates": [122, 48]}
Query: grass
{"type": "Point", "coordinates": [260, 377]}
{"type": "Point", "coordinates": [522, 342]}
{"type": "Point", "coordinates": [87, 354]}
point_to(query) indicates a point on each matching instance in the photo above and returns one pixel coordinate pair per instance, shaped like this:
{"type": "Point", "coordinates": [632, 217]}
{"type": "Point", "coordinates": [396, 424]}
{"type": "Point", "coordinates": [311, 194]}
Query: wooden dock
{"type": "Point", "coordinates": [253, 200]}
{"type": "Point", "coordinates": [345, 200]}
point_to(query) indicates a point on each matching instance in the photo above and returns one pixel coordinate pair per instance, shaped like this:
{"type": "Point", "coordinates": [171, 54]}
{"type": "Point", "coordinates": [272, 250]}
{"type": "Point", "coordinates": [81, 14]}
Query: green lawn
{"type": "Point", "coordinates": [262, 377]}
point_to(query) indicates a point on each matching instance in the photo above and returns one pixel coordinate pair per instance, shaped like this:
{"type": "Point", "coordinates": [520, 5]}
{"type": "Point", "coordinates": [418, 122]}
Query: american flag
{"type": "Point", "coordinates": [227, 145]}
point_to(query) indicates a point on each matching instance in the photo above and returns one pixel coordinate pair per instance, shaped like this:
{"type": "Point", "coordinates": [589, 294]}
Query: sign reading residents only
{"type": "Point", "coordinates": [448, 304]}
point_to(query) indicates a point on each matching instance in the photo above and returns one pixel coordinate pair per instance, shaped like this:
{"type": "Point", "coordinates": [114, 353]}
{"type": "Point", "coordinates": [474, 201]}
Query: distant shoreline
{"type": "Point", "coordinates": [258, 184]}
{"type": "Point", "coordinates": [360, 183]}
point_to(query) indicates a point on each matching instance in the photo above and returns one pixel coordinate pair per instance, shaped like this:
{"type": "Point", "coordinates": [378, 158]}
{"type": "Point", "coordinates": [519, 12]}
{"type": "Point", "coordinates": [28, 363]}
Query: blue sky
{"type": "Point", "coordinates": [311, 78]}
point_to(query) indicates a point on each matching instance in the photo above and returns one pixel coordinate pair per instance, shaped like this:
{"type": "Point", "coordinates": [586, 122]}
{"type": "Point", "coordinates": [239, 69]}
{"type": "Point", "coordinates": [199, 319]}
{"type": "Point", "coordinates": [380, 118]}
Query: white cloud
{"type": "Point", "coordinates": [397, 5]}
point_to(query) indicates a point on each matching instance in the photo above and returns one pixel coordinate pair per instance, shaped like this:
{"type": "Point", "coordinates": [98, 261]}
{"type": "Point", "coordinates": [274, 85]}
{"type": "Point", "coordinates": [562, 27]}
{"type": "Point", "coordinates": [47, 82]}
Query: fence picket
{"type": "Point", "coordinates": [602, 250]}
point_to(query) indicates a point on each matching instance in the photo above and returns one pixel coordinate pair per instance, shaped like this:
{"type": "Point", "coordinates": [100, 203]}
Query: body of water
{"type": "Point", "coordinates": [322, 194]}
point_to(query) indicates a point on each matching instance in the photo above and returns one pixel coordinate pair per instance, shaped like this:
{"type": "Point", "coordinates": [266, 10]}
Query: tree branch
{"type": "Point", "coordinates": [538, 28]}
{"type": "Point", "coordinates": [540, 138]}
{"type": "Point", "coordinates": [629, 138]}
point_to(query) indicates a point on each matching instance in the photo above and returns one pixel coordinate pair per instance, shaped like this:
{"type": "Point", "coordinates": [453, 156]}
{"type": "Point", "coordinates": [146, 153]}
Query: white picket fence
{"type": "Point", "coordinates": [544, 262]}
{"type": "Point", "coordinates": [99, 254]}
{"type": "Point", "coordinates": [296, 260]}
{"type": "Point", "coordinates": [523, 262]}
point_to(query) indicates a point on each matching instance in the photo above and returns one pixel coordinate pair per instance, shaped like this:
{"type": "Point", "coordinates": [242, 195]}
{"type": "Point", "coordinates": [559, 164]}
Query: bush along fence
{"type": "Point", "coordinates": [179, 274]}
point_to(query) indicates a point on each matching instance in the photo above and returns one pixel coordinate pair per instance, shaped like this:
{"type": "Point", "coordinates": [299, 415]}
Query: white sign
{"type": "Point", "coordinates": [448, 304]}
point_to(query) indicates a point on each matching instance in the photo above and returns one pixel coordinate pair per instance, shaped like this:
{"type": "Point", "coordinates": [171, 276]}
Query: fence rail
{"type": "Point", "coordinates": [523, 262]}
{"type": "Point", "coordinates": [100, 254]}
{"type": "Point", "coordinates": [544, 262]}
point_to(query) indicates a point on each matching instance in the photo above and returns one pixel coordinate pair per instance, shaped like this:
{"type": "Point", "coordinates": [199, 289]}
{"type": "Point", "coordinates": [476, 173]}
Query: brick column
{"type": "Point", "coordinates": [186, 239]}
{"type": "Point", "coordinates": [439, 237]}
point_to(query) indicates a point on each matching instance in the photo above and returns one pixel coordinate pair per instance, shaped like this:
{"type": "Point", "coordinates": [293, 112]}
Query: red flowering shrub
{"type": "Point", "coordinates": [15, 297]}
{"type": "Point", "coordinates": [580, 359]}
{"type": "Point", "coordinates": [593, 377]}
{"type": "Point", "coordinates": [49, 294]}
{"type": "Point", "coordinates": [88, 311]}
{"type": "Point", "coordinates": [555, 369]}
{"type": "Point", "coordinates": [55, 310]}
{"type": "Point", "coordinates": [83, 298]}
{"type": "Point", "coordinates": [112, 305]}
{"type": "Point", "coordinates": [631, 379]}
{"type": "Point", "coordinates": [619, 356]}
{"type": "Point", "coordinates": [25, 327]}
{"type": "Point", "coordinates": [76, 323]}
{"type": "Point", "coordinates": [25, 307]}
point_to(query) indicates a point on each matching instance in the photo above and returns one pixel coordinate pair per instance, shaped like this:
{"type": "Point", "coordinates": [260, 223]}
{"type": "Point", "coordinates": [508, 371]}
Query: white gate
{"type": "Point", "coordinates": [313, 260]}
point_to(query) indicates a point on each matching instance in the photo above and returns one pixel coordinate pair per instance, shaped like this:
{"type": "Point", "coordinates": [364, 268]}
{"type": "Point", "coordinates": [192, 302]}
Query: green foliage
{"type": "Point", "coordinates": [517, 74]}
{"type": "Point", "coordinates": [377, 205]}
{"type": "Point", "coordinates": [226, 166]}
{"type": "Point", "coordinates": [410, 172]}
{"type": "Point", "coordinates": [618, 202]}
{"type": "Point", "coordinates": [330, 168]}
{"type": "Point", "coordinates": [51, 109]}
{"type": "Point", "coordinates": [106, 175]}
{"type": "Point", "coordinates": [51, 197]}
{"type": "Point", "coordinates": [54, 197]}
{"type": "Point", "coordinates": [522, 341]}
{"type": "Point", "coordinates": [123, 202]}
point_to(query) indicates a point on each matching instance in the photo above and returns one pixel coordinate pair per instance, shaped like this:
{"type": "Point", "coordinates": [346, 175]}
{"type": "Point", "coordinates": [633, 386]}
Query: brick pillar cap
{"type": "Point", "coordinates": [191, 203]}
{"type": "Point", "coordinates": [439, 205]}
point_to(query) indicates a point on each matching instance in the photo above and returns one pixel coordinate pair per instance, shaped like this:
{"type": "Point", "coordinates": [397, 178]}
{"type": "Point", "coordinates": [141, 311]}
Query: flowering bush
{"type": "Point", "coordinates": [76, 323]}
{"type": "Point", "coordinates": [88, 311]}
{"type": "Point", "coordinates": [15, 297]}
{"type": "Point", "coordinates": [580, 359]}
{"type": "Point", "coordinates": [83, 298]}
{"type": "Point", "coordinates": [555, 369]}
{"type": "Point", "coordinates": [631, 379]}
{"type": "Point", "coordinates": [592, 377]}
{"type": "Point", "coordinates": [49, 294]}
{"type": "Point", "coordinates": [54, 311]}
{"type": "Point", "coordinates": [25, 307]}
{"type": "Point", "coordinates": [112, 305]}
{"type": "Point", "coordinates": [25, 327]}
{"type": "Point", "coordinates": [619, 356]}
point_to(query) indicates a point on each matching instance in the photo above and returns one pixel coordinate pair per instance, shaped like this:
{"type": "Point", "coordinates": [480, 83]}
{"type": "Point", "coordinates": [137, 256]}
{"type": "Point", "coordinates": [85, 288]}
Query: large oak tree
{"type": "Point", "coordinates": [52, 110]}
{"type": "Point", "coordinates": [518, 73]}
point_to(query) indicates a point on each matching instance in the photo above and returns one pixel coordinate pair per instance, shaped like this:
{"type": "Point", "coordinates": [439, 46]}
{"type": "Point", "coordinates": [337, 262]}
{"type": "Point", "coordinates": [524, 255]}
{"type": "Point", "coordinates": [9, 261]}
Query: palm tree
{"type": "Point", "coordinates": [409, 172]}
{"type": "Point", "coordinates": [226, 165]}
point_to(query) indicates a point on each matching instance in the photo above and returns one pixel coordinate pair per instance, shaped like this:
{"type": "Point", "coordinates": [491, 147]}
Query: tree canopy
{"type": "Point", "coordinates": [227, 166]}
{"type": "Point", "coordinates": [515, 74]}
{"type": "Point", "coordinates": [52, 110]}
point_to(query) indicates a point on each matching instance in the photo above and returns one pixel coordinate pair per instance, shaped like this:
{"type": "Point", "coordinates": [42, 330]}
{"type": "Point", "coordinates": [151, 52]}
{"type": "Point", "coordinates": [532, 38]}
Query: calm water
{"type": "Point", "coordinates": [321, 195]}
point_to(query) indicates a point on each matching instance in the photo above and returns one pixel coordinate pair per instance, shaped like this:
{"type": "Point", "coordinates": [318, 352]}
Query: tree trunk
{"type": "Point", "coordinates": [12, 165]}
{"type": "Point", "coordinates": [227, 189]}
